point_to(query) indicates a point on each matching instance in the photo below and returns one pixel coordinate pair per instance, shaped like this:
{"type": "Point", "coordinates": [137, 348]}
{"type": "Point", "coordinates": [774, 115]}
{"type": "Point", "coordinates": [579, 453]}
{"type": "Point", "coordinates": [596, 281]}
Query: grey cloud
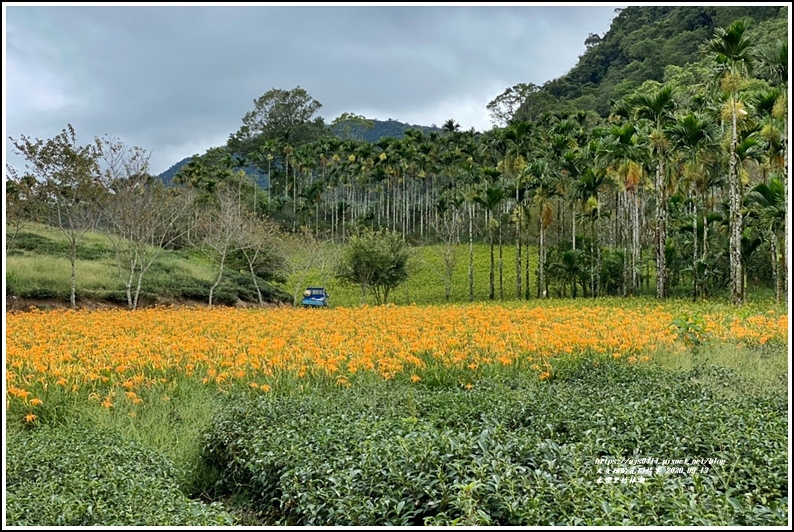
{"type": "Point", "coordinates": [171, 76]}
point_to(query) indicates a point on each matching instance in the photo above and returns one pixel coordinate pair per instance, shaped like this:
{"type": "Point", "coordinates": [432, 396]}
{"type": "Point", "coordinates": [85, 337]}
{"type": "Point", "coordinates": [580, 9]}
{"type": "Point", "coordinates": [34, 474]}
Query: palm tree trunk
{"type": "Point", "coordinates": [471, 252]}
{"type": "Point", "coordinates": [775, 266]}
{"type": "Point", "coordinates": [598, 247]}
{"type": "Point", "coordinates": [661, 233]}
{"type": "Point", "coordinates": [560, 221]}
{"type": "Point", "coordinates": [734, 195]}
{"type": "Point", "coordinates": [624, 239]}
{"type": "Point", "coordinates": [501, 268]}
{"type": "Point", "coordinates": [518, 248]}
{"type": "Point", "coordinates": [492, 283]}
{"type": "Point", "coordinates": [573, 227]}
{"type": "Point", "coordinates": [406, 213]}
{"type": "Point", "coordinates": [635, 252]}
{"type": "Point", "coordinates": [592, 258]}
{"type": "Point", "coordinates": [694, 252]}
{"type": "Point", "coordinates": [783, 268]}
{"type": "Point", "coordinates": [527, 288]}
{"type": "Point", "coordinates": [542, 261]}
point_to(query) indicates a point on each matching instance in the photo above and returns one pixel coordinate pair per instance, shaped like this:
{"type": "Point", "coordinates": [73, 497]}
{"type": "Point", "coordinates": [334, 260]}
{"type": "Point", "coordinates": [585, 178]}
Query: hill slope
{"type": "Point", "coordinates": [381, 129]}
{"type": "Point", "coordinates": [640, 43]}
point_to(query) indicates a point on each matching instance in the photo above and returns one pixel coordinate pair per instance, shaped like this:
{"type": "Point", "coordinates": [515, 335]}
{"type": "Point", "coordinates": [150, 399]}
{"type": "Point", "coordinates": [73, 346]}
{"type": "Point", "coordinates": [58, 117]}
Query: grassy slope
{"type": "Point", "coordinates": [43, 273]}
{"type": "Point", "coordinates": [47, 271]}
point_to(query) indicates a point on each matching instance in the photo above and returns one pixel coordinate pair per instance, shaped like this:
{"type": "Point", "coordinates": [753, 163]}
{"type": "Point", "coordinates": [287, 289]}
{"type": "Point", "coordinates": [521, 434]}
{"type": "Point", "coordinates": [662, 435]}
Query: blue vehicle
{"type": "Point", "coordinates": [315, 296]}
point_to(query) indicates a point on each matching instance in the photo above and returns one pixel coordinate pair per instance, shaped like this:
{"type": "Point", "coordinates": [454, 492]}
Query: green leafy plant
{"type": "Point", "coordinates": [525, 454]}
{"type": "Point", "coordinates": [74, 476]}
{"type": "Point", "coordinates": [691, 330]}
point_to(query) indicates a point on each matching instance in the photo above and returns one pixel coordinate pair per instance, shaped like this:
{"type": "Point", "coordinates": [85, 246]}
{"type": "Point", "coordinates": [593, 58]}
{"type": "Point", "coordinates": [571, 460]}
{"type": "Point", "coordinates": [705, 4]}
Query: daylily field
{"type": "Point", "coordinates": [294, 396]}
{"type": "Point", "coordinates": [112, 355]}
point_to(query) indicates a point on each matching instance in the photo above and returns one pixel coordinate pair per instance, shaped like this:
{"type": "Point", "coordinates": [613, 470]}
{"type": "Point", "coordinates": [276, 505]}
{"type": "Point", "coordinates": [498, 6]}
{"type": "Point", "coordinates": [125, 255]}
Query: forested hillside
{"type": "Point", "coordinates": [640, 44]}
{"type": "Point", "coordinates": [662, 155]}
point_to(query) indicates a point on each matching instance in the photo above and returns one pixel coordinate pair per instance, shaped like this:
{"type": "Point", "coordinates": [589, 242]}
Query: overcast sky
{"type": "Point", "coordinates": [178, 80]}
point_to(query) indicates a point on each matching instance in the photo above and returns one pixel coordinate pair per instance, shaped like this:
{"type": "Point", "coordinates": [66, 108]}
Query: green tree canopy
{"type": "Point", "coordinates": [377, 261]}
{"type": "Point", "coordinates": [286, 116]}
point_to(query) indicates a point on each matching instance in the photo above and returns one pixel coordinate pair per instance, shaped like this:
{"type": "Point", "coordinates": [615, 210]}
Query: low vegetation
{"type": "Point", "coordinates": [510, 453]}
{"type": "Point", "coordinates": [490, 414]}
{"type": "Point", "coordinates": [73, 475]}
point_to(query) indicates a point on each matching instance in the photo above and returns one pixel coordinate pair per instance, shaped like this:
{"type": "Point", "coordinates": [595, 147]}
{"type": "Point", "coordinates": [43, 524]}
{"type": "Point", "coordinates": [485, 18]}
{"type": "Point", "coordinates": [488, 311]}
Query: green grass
{"type": "Point", "coordinates": [171, 422]}
{"type": "Point", "coordinates": [425, 284]}
{"type": "Point", "coordinates": [762, 368]}
{"type": "Point", "coordinates": [39, 268]}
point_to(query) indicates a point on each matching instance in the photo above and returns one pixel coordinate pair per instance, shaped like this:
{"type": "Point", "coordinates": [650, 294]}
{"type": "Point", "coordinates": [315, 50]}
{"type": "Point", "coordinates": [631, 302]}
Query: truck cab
{"type": "Point", "coordinates": [315, 296]}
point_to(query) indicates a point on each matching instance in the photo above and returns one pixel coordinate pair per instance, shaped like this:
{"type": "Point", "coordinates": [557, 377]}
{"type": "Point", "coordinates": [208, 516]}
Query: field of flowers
{"type": "Point", "coordinates": [118, 354]}
{"type": "Point", "coordinates": [479, 414]}
{"type": "Point", "coordinates": [113, 357]}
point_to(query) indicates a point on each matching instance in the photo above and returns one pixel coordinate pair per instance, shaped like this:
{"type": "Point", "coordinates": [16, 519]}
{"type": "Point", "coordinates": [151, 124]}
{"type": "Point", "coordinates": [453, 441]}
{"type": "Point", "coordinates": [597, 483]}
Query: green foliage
{"type": "Point", "coordinates": [523, 454]}
{"type": "Point", "coordinates": [168, 176]}
{"type": "Point", "coordinates": [74, 476]}
{"type": "Point", "coordinates": [382, 129]}
{"type": "Point", "coordinates": [46, 246]}
{"type": "Point", "coordinates": [691, 330]}
{"type": "Point", "coordinates": [645, 40]}
{"type": "Point", "coordinates": [18, 284]}
{"type": "Point", "coordinates": [376, 261]}
{"type": "Point", "coordinates": [39, 244]}
{"type": "Point", "coordinates": [235, 285]}
{"type": "Point", "coordinates": [283, 116]}
{"type": "Point", "coordinates": [569, 268]}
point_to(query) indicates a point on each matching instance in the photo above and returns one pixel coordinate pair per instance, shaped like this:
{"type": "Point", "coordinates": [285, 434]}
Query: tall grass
{"type": "Point", "coordinates": [172, 421]}
{"type": "Point", "coordinates": [36, 274]}
{"type": "Point", "coordinates": [762, 369]}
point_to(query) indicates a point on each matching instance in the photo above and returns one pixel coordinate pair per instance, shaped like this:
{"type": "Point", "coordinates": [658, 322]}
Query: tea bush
{"type": "Point", "coordinates": [74, 476]}
{"type": "Point", "coordinates": [498, 455]}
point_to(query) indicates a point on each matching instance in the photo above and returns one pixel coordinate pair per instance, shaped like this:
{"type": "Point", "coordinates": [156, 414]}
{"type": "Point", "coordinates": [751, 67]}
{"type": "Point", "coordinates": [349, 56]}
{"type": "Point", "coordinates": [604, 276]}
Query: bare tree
{"type": "Point", "coordinates": [141, 216]}
{"type": "Point", "coordinates": [70, 187]}
{"type": "Point", "coordinates": [448, 228]}
{"type": "Point", "coordinates": [221, 229]}
{"type": "Point", "coordinates": [303, 255]}
{"type": "Point", "coordinates": [260, 249]}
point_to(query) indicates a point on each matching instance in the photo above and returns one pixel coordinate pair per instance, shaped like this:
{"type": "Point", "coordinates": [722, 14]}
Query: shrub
{"type": "Point", "coordinates": [39, 244]}
{"type": "Point", "coordinates": [402, 455]}
{"type": "Point", "coordinates": [93, 252]}
{"type": "Point", "coordinates": [377, 261]}
{"type": "Point", "coordinates": [73, 476]}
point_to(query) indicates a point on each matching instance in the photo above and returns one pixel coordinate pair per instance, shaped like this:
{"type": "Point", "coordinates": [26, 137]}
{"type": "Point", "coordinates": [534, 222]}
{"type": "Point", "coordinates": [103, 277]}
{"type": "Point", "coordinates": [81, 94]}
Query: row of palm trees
{"type": "Point", "coordinates": [688, 166]}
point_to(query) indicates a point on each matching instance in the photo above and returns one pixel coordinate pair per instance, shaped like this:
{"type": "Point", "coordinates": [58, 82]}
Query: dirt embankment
{"type": "Point", "coordinates": [16, 304]}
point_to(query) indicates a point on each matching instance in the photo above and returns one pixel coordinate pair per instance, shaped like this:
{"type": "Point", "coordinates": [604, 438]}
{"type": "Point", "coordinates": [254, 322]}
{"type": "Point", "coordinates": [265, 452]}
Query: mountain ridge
{"type": "Point", "coordinates": [389, 128]}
